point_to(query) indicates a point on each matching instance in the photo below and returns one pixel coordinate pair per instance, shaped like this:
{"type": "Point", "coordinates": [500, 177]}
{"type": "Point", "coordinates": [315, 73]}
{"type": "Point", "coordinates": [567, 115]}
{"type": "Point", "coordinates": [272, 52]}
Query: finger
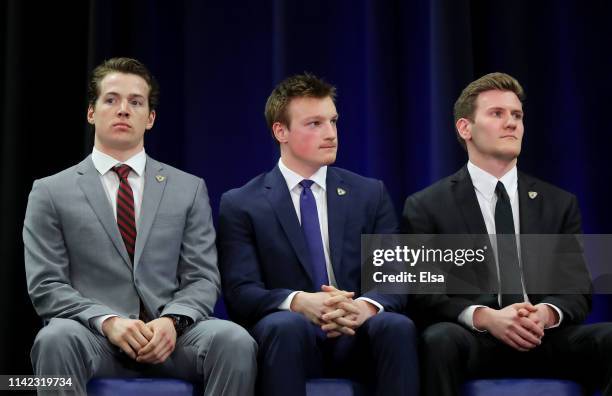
{"type": "Point", "coordinates": [133, 342]}
{"type": "Point", "coordinates": [145, 330]}
{"type": "Point", "coordinates": [334, 314]}
{"type": "Point", "coordinates": [125, 347]}
{"type": "Point", "coordinates": [346, 322]}
{"type": "Point", "coordinates": [523, 312]}
{"type": "Point", "coordinates": [137, 335]}
{"type": "Point", "coordinates": [525, 305]}
{"type": "Point", "coordinates": [346, 331]}
{"type": "Point", "coordinates": [521, 342]}
{"type": "Point", "coordinates": [349, 307]}
{"type": "Point", "coordinates": [331, 326]}
{"type": "Point", "coordinates": [151, 345]}
{"type": "Point", "coordinates": [155, 353]}
{"type": "Point", "coordinates": [531, 327]}
{"type": "Point", "coordinates": [513, 344]}
{"type": "Point", "coordinates": [527, 336]}
{"type": "Point", "coordinates": [335, 300]}
{"type": "Point", "coordinates": [333, 291]}
{"type": "Point", "coordinates": [333, 334]}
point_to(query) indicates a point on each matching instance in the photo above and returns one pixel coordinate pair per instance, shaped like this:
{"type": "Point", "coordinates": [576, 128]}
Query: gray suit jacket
{"type": "Point", "coordinates": [76, 263]}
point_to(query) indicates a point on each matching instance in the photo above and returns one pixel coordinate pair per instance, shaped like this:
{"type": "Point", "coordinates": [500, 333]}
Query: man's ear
{"type": "Point", "coordinates": [90, 114]}
{"type": "Point", "coordinates": [151, 120]}
{"type": "Point", "coordinates": [280, 131]}
{"type": "Point", "coordinates": [464, 128]}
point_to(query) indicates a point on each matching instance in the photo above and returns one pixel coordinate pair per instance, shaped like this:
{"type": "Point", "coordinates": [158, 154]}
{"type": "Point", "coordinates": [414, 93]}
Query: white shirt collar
{"type": "Point", "coordinates": [485, 182]}
{"type": "Point", "coordinates": [104, 162]}
{"type": "Point", "coordinates": [293, 179]}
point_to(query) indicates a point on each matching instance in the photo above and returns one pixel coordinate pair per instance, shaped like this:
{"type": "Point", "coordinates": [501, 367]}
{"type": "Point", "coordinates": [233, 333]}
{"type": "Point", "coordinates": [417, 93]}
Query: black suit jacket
{"type": "Point", "coordinates": [450, 206]}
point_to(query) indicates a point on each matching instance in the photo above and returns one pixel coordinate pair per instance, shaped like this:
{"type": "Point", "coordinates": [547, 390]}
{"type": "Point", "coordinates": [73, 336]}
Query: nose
{"type": "Point", "coordinates": [330, 131]}
{"type": "Point", "coordinates": [511, 122]}
{"type": "Point", "coordinates": [123, 110]}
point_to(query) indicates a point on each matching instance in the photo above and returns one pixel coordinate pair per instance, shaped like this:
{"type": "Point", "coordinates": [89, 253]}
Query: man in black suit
{"type": "Point", "coordinates": [503, 333]}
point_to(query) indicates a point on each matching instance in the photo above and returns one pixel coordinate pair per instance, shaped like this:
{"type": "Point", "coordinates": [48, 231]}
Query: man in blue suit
{"type": "Point", "coordinates": [289, 244]}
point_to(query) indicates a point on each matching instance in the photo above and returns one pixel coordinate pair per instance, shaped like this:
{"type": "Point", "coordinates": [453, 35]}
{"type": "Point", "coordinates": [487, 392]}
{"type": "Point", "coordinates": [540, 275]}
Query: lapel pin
{"type": "Point", "coordinates": [341, 191]}
{"type": "Point", "coordinates": [532, 194]}
{"type": "Point", "coordinates": [160, 178]}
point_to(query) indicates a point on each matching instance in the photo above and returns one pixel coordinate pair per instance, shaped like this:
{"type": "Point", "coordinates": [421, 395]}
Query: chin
{"type": "Point", "coordinates": [328, 160]}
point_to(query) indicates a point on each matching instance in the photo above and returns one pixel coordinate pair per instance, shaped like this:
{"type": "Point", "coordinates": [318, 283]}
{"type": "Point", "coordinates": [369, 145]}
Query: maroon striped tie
{"type": "Point", "coordinates": [126, 217]}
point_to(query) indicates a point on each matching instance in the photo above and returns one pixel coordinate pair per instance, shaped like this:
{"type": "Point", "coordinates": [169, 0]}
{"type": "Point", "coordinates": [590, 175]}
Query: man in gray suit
{"type": "Point", "coordinates": [120, 257]}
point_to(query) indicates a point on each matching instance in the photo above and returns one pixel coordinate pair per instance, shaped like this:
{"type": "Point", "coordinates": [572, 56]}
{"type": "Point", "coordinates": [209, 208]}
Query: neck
{"type": "Point", "coordinates": [495, 166]}
{"type": "Point", "coordinates": [302, 169]}
{"type": "Point", "coordinates": [121, 155]}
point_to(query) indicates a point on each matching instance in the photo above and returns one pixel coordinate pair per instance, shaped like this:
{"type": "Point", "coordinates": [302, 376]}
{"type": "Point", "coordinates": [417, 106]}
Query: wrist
{"type": "Point", "coordinates": [480, 319]}
{"type": "Point", "coordinates": [295, 302]}
{"type": "Point", "coordinates": [179, 322]}
{"type": "Point", "coordinates": [368, 307]}
{"type": "Point", "coordinates": [553, 316]}
{"type": "Point", "coordinates": [107, 324]}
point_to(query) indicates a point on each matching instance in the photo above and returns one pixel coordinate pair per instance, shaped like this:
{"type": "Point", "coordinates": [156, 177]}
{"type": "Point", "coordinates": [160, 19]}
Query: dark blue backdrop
{"type": "Point", "coordinates": [398, 66]}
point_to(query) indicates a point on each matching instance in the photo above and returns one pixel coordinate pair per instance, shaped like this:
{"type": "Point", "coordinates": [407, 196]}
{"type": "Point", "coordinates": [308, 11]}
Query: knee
{"type": "Point", "coordinates": [59, 336]}
{"type": "Point", "coordinates": [234, 340]}
{"type": "Point", "coordinates": [441, 339]}
{"type": "Point", "coordinates": [282, 325]}
{"type": "Point", "coordinates": [387, 324]}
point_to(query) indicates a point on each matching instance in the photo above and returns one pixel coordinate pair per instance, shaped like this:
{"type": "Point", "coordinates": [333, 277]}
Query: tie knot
{"type": "Point", "coordinates": [500, 190]}
{"type": "Point", "coordinates": [122, 171]}
{"type": "Point", "coordinates": [306, 183]}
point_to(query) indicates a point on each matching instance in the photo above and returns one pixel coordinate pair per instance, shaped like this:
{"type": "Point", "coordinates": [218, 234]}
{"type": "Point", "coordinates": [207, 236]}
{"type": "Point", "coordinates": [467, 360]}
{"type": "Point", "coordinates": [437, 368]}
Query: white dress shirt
{"type": "Point", "coordinates": [484, 186]}
{"type": "Point", "coordinates": [104, 164]}
{"type": "Point", "coordinates": [318, 190]}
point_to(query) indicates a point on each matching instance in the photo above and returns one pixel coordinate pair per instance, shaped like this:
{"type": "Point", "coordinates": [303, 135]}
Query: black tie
{"type": "Point", "coordinates": [509, 272]}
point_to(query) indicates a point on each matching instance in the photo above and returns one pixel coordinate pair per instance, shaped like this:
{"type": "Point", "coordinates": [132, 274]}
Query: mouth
{"type": "Point", "coordinates": [121, 125]}
{"type": "Point", "coordinates": [328, 147]}
{"type": "Point", "coordinates": [509, 137]}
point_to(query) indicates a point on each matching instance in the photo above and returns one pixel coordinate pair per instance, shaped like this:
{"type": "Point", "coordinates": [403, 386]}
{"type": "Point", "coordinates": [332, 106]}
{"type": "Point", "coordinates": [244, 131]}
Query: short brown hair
{"type": "Point", "coordinates": [465, 106]}
{"type": "Point", "coordinates": [298, 86]}
{"type": "Point", "coordinates": [127, 66]}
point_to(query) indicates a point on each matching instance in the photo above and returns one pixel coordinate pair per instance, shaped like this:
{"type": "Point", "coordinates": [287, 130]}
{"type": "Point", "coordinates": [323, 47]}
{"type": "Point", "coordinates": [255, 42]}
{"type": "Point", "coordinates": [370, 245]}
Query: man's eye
{"type": "Point", "coordinates": [315, 123]}
{"type": "Point", "coordinates": [136, 103]}
{"type": "Point", "coordinates": [334, 121]}
{"type": "Point", "coordinates": [109, 100]}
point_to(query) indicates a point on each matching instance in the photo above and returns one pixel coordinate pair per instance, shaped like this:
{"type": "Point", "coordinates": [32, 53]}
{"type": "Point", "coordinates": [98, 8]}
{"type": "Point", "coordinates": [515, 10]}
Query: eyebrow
{"type": "Point", "coordinates": [132, 95]}
{"type": "Point", "coordinates": [504, 108]}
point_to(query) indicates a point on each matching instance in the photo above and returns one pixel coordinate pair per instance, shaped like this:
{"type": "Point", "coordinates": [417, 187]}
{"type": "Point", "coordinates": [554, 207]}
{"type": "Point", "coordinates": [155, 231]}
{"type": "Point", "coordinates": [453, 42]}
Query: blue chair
{"type": "Point", "coordinates": [335, 387]}
{"type": "Point", "coordinates": [521, 386]}
{"type": "Point", "coordinates": [175, 387]}
{"type": "Point", "coordinates": [140, 387]}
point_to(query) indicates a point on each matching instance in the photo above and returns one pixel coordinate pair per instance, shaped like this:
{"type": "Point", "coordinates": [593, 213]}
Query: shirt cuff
{"type": "Point", "coordinates": [560, 316]}
{"type": "Point", "coordinates": [286, 304]}
{"type": "Point", "coordinates": [98, 320]}
{"type": "Point", "coordinates": [466, 317]}
{"type": "Point", "coordinates": [376, 304]}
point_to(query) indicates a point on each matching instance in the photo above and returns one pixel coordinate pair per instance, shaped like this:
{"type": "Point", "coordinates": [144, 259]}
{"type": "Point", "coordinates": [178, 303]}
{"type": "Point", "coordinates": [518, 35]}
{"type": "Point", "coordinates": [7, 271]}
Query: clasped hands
{"type": "Point", "coordinates": [335, 311]}
{"type": "Point", "coordinates": [520, 325]}
{"type": "Point", "coordinates": [150, 342]}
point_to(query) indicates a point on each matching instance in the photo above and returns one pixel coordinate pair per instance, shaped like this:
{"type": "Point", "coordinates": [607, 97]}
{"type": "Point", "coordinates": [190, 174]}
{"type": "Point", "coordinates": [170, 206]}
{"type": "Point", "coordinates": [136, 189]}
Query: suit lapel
{"type": "Point", "coordinates": [154, 185]}
{"type": "Point", "coordinates": [465, 196]}
{"type": "Point", "coordinates": [467, 202]}
{"type": "Point", "coordinates": [279, 197]}
{"type": "Point", "coordinates": [529, 215]}
{"type": "Point", "coordinates": [529, 208]}
{"type": "Point", "coordinates": [89, 182]}
{"type": "Point", "coordinates": [336, 216]}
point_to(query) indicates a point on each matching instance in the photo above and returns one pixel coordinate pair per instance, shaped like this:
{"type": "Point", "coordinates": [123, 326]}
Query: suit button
{"type": "Point", "coordinates": [132, 316]}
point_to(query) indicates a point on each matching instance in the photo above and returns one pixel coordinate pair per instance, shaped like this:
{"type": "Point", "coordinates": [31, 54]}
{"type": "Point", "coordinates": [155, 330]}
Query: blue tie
{"type": "Point", "coordinates": [312, 234]}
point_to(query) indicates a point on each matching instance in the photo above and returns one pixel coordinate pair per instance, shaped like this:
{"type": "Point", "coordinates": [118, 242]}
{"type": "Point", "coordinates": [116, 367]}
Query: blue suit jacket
{"type": "Point", "coordinates": [262, 252]}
